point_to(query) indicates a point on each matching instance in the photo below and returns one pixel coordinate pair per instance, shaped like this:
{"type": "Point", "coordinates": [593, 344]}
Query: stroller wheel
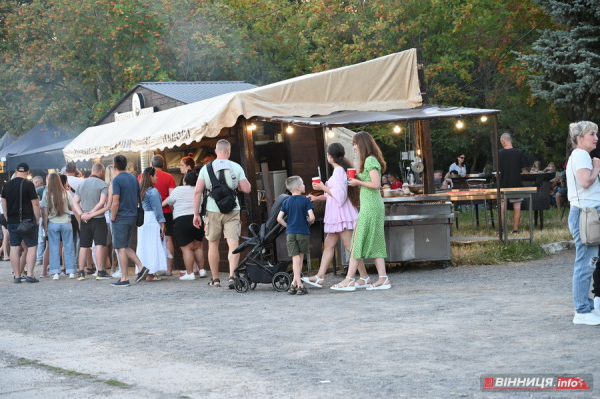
{"type": "Point", "coordinates": [282, 281]}
{"type": "Point", "coordinates": [241, 284]}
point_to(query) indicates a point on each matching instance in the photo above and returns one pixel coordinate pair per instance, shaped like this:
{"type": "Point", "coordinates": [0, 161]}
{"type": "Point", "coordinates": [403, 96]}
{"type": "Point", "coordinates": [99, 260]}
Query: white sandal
{"type": "Point", "coordinates": [318, 283]}
{"type": "Point", "coordinates": [340, 287]}
{"type": "Point", "coordinates": [365, 285]}
{"type": "Point", "coordinates": [385, 286]}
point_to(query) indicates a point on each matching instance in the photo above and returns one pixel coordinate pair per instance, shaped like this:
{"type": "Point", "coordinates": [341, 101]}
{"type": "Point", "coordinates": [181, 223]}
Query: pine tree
{"type": "Point", "coordinates": [566, 62]}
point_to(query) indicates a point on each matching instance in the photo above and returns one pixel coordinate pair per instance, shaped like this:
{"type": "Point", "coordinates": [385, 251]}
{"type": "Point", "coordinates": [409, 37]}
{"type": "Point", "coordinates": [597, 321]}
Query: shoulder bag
{"type": "Point", "coordinates": [139, 221]}
{"type": "Point", "coordinates": [27, 227]}
{"type": "Point", "coordinates": [589, 221]}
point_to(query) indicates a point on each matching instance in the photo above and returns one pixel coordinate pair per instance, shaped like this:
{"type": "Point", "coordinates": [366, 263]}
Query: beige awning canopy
{"type": "Point", "coordinates": [382, 84]}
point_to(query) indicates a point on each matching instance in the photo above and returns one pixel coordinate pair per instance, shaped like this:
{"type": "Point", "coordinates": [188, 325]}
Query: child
{"type": "Point", "coordinates": [296, 208]}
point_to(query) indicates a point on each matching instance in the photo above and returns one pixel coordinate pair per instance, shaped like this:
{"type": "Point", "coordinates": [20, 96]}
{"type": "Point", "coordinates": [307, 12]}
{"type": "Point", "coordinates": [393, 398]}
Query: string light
{"type": "Point", "coordinates": [330, 132]}
{"type": "Point", "coordinates": [289, 129]}
{"type": "Point", "coordinates": [484, 118]}
{"type": "Point", "coordinates": [460, 125]}
{"type": "Point", "coordinates": [252, 127]}
{"type": "Point", "coordinates": [397, 129]}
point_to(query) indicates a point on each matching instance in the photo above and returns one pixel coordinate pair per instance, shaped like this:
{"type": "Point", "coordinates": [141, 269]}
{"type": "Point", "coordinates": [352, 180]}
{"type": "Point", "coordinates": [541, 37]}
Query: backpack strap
{"type": "Point", "coordinates": [211, 174]}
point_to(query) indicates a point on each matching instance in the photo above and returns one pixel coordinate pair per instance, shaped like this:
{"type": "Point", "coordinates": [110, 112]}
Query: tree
{"type": "Point", "coordinates": [68, 61]}
{"type": "Point", "coordinates": [566, 62]}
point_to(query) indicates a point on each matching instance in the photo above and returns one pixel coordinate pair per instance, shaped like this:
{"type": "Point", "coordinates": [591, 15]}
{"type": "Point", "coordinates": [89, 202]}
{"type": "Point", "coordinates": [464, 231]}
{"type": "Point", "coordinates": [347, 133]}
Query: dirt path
{"type": "Point", "coordinates": [432, 335]}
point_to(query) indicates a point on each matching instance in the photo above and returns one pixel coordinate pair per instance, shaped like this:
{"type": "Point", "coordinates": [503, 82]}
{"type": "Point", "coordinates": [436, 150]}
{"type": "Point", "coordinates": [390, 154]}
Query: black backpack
{"type": "Point", "coordinates": [220, 191]}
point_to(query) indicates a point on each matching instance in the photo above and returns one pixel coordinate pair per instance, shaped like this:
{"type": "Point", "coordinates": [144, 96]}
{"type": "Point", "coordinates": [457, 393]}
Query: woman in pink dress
{"type": "Point", "coordinates": [340, 214]}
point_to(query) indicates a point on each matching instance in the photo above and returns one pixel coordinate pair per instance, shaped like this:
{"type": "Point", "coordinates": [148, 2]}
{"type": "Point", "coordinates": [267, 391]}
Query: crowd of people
{"type": "Point", "coordinates": [84, 225]}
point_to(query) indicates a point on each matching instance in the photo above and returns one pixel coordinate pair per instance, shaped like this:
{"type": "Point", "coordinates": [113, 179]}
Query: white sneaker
{"type": "Point", "coordinates": [202, 273]}
{"type": "Point", "coordinates": [597, 302]}
{"type": "Point", "coordinates": [56, 276]}
{"type": "Point", "coordinates": [589, 319]}
{"type": "Point", "coordinates": [116, 274]}
{"type": "Point", "coordinates": [188, 277]}
{"type": "Point", "coordinates": [71, 275]}
{"type": "Point", "coordinates": [38, 262]}
{"type": "Point", "coordinates": [95, 273]}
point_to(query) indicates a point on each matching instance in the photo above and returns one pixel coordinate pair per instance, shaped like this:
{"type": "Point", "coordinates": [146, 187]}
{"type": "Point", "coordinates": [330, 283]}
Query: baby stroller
{"type": "Point", "coordinates": [260, 265]}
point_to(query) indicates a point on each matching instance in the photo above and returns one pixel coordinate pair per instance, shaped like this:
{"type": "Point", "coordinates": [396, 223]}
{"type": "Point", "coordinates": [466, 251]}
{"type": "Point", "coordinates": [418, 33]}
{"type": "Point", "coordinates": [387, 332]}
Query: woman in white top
{"type": "Point", "coordinates": [186, 234]}
{"type": "Point", "coordinates": [56, 204]}
{"type": "Point", "coordinates": [584, 191]}
{"type": "Point", "coordinates": [459, 165]}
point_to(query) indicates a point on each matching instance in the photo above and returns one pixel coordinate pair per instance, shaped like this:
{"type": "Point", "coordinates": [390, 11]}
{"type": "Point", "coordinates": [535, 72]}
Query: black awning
{"type": "Point", "coordinates": [347, 118]}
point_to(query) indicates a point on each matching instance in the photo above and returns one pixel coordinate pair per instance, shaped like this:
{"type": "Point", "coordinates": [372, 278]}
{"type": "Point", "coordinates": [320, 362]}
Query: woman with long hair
{"type": "Point", "coordinates": [459, 166]}
{"type": "Point", "coordinates": [368, 240]}
{"type": "Point", "coordinates": [187, 235]}
{"type": "Point", "coordinates": [56, 204]}
{"type": "Point", "coordinates": [583, 192]}
{"type": "Point", "coordinates": [340, 213]}
{"type": "Point", "coordinates": [150, 235]}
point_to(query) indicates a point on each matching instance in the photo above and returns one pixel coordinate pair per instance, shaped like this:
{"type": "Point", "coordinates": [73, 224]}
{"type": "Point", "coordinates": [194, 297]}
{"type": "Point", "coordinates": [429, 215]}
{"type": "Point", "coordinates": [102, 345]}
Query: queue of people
{"type": "Point", "coordinates": [78, 219]}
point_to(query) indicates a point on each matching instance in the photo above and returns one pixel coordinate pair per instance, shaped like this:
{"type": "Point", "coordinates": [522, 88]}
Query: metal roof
{"type": "Point", "coordinates": [191, 92]}
{"type": "Point", "coordinates": [347, 118]}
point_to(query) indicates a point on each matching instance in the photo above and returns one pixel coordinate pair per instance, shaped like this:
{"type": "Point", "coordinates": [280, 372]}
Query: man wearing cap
{"type": "Point", "coordinates": [20, 202]}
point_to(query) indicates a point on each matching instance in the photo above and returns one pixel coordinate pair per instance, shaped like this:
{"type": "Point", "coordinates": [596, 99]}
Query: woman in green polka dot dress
{"type": "Point", "coordinates": [368, 240]}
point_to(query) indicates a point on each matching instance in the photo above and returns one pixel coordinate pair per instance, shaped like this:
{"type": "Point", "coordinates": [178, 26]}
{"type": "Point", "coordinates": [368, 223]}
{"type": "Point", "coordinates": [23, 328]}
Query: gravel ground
{"type": "Point", "coordinates": [432, 335]}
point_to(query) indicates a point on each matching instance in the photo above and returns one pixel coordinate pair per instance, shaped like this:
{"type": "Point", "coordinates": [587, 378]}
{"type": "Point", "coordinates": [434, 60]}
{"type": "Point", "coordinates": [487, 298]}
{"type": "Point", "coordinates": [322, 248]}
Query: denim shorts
{"type": "Point", "coordinates": [15, 237]}
{"type": "Point", "coordinates": [122, 231]}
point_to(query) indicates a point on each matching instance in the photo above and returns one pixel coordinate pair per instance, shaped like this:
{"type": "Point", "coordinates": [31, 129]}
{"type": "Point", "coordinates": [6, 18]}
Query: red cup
{"type": "Point", "coordinates": [351, 173]}
{"type": "Point", "coordinates": [316, 180]}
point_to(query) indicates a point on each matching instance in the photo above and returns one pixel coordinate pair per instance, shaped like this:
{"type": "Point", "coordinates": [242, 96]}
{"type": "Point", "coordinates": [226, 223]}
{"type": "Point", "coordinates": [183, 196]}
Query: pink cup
{"type": "Point", "coordinates": [316, 180]}
{"type": "Point", "coordinates": [351, 173]}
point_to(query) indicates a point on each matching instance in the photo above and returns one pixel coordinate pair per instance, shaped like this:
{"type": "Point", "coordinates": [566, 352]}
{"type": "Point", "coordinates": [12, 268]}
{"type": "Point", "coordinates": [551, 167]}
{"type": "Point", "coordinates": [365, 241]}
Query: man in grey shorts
{"type": "Point", "coordinates": [90, 196]}
{"type": "Point", "coordinates": [126, 194]}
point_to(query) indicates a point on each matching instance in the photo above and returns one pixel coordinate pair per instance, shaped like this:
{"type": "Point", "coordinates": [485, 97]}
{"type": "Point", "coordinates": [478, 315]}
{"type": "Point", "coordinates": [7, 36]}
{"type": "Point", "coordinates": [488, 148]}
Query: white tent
{"type": "Point", "coordinates": [382, 84]}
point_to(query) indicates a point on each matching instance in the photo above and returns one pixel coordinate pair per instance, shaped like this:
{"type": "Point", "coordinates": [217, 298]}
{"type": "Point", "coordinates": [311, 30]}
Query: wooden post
{"type": "Point", "coordinates": [246, 142]}
{"type": "Point", "coordinates": [498, 193]}
{"type": "Point", "coordinates": [424, 143]}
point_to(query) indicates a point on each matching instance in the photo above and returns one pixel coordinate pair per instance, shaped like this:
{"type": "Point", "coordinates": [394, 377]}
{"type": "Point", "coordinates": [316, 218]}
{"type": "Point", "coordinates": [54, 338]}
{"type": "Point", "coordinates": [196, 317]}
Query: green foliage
{"type": "Point", "coordinates": [69, 61]}
{"type": "Point", "coordinates": [566, 61]}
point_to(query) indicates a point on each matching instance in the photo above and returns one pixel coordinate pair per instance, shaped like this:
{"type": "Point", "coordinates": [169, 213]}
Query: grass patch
{"type": "Point", "coordinates": [495, 252]}
{"type": "Point", "coordinates": [66, 372]}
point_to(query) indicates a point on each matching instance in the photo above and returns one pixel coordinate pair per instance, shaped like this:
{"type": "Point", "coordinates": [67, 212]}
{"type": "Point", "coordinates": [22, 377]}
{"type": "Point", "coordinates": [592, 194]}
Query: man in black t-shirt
{"type": "Point", "coordinates": [510, 162]}
{"type": "Point", "coordinates": [21, 188]}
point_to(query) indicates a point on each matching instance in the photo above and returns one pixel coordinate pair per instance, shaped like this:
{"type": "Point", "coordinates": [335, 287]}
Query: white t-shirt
{"type": "Point", "coordinates": [578, 196]}
{"type": "Point", "coordinates": [74, 181]}
{"type": "Point", "coordinates": [228, 166]}
{"type": "Point", "coordinates": [460, 170]}
{"type": "Point", "coordinates": [182, 201]}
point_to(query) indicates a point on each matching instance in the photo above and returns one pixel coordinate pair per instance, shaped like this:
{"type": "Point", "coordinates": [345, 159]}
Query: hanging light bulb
{"type": "Point", "coordinates": [419, 152]}
{"type": "Point", "coordinates": [289, 129]}
{"type": "Point", "coordinates": [483, 118]}
{"type": "Point", "coordinates": [252, 127]}
{"type": "Point", "coordinates": [330, 133]}
{"type": "Point", "coordinates": [397, 129]}
{"type": "Point", "coordinates": [460, 125]}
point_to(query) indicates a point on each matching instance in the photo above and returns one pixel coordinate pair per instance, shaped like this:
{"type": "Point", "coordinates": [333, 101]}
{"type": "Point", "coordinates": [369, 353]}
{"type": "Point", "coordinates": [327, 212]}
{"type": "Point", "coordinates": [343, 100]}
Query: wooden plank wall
{"type": "Point", "coordinates": [151, 99]}
{"type": "Point", "coordinates": [305, 154]}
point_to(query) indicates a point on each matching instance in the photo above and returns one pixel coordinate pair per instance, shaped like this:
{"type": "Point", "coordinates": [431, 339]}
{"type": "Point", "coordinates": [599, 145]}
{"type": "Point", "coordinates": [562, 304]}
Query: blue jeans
{"type": "Point", "coordinates": [55, 230]}
{"type": "Point", "coordinates": [583, 268]}
{"type": "Point", "coordinates": [41, 242]}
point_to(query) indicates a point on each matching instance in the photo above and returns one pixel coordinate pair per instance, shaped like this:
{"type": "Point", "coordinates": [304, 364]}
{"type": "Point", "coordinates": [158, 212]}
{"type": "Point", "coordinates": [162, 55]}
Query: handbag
{"type": "Point", "coordinates": [27, 227]}
{"type": "Point", "coordinates": [589, 222]}
{"type": "Point", "coordinates": [139, 221]}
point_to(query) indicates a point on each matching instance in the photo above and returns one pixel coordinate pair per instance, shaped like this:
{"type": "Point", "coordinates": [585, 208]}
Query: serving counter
{"type": "Point", "coordinates": [417, 228]}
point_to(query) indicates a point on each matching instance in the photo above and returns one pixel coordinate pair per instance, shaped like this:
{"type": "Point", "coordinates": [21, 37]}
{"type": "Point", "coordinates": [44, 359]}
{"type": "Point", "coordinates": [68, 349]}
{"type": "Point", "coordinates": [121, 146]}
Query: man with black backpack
{"type": "Point", "coordinates": [221, 178]}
